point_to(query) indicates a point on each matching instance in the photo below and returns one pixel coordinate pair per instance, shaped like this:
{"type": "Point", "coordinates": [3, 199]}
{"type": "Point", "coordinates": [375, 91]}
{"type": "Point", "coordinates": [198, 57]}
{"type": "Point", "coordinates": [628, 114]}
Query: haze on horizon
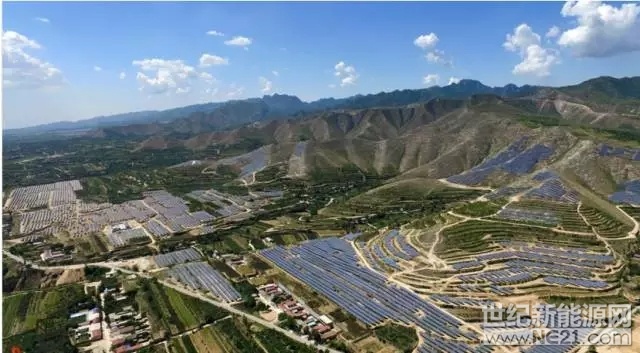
{"type": "Point", "coordinates": [66, 61]}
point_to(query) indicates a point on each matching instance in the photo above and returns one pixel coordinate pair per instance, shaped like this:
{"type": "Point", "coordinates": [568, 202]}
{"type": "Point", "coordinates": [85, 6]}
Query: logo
{"type": "Point", "coordinates": [543, 324]}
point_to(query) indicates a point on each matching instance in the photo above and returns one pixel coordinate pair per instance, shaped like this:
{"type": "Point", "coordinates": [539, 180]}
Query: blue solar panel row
{"type": "Point", "coordinates": [516, 214]}
{"type": "Point", "coordinates": [402, 250]}
{"type": "Point", "coordinates": [515, 159]}
{"type": "Point", "coordinates": [554, 190]}
{"type": "Point", "coordinates": [330, 267]}
{"type": "Point", "coordinates": [200, 275]}
{"type": "Point", "coordinates": [460, 301]}
{"type": "Point", "coordinates": [590, 284]}
{"type": "Point", "coordinates": [609, 151]}
{"type": "Point", "coordinates": [630, 193]}
{"type": "Point", "coordinates": [177, 257]}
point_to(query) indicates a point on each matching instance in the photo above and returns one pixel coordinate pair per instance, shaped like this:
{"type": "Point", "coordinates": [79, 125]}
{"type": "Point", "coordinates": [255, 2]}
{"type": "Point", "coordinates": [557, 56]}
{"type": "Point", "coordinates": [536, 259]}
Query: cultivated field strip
{"type": "Point", "coordinates": [606, 225]}
{"type": "Point", "coordinates": [330, 267]}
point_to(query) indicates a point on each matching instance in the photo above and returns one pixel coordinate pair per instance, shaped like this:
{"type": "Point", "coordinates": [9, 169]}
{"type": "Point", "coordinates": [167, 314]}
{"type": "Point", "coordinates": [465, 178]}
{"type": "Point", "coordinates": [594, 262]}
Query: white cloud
{"type": "Point", "coordinates": [239, 41]}
{"type": "Point", "coordinates": [426, 41]}
{"type": "Point", "coordinates": [346, 73]}
{"type": "Point", "coordinates": [453, 80]}
{"type": "Point", "coordinates": [275, 73]}
{"type": "Point", "coordinates": [234, 91]}
{"type": "Point", "coordinates": [536, 60]}
{"type": "Point", "coordinates": [602, 30]}
{"type": "Point", "coordinates": [207, 60]}
{"type": "Point", "coordinates": [207, 77]}
{"type": "Point", "coordinates": [42, 19]}
{"type": "Point", "coordinates": [332, 85]}
{"type": "Point", "coordinates": [431, 79]}
{"type": "Point", "coordinates": [522, 37]}
{"type": "Point", "coordinates": [23, 70]}
{"type": "Point", "coordinates": [157, 76]}
{"type": "Point", "coordinates": [123, 75]}
{"type": "Point", "coordinates": [553, 32]}
{"type": "Point", "coordinates": [212, 91]}
{"type": "Point", "coordinates": [215, 33]}
{"type": "Point", "coordinates": [266, 86]}
{"type": "Point", "coordinates": [438, 57]}
{"type": "Point", "coordinates": [97, 68]}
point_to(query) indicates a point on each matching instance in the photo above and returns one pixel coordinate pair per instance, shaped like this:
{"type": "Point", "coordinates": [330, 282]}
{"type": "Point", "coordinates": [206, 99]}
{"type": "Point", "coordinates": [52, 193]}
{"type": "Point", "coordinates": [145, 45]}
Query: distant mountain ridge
{"type": "Point", "coordinates": [219, 116]}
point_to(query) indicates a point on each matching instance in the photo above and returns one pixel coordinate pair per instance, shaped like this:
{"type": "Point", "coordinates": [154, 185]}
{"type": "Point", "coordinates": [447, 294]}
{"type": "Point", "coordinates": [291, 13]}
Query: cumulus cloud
{"type": "Point", "coordinates": [157, 76]}
{"type": "Point", "coordinates": [431, 79]}
{"type": "Point", "coordinates": [266, 86]}
{"type": "Point", "coordinates": [453, 80]}
{"type": "Point", "coordinates": [23, 70]}
{"type": "Point", "coordinates": [536, 60]}
{"type": "Point", "coordinates": [601, 30]}
{"type": "Point", "coordinates": [123, 75]}
{"type": "Point", "coordinates": [239, 41]}
{"type": "Point", "coordinates": [426, 41]}
{"type": "Point", "coordinates": [275, 73]}
{"type": "Point", "coordinates": [207, 60]}
{"type": "Point", "coordinates": [438, 57]}
{"type": "Point", "coordinates": [553, 32]}
{"type": "Point", "coordinates": [215, 33]}
{"type": "Point", "coordinates": [97, 68]}
{"type": "Point", "coordinates": [346, 73]}
{"type": "Point", "coordinates": [42, 19]}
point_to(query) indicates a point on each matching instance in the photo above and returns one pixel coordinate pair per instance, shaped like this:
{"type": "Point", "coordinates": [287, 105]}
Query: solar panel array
{"type": "Point", "coordinates": [590, 284]}
{"type": "Point", "coordinates": [434, 344]}
{"type": "Point", "coordinates": [526, 215]}
{"type": "Point", "coordinates": [515, 159]}
{"type": "Point", "coordinates": [554, 190]}
{"type": "Point", "coordinates": [627, 153]}
{"type": "Point", "coordinates": [460, 301]}
{"type": "Point", "coordinates": [212, 196]}
{"type": "Point", "coordinates": [156, 229]}
{"type": "Point", "coordinates": [544, 175]}
{"type": "Point", "coordinates": [36, 196]}
{"type": "Point", "coordinates": [173, 211]}
{"type": "Point", "coordinates": [630, 193]}
{"type": "Point", "coordinates": [200, 275]}
{"type": "Point", "coordinates": [251, 162]}
{"type": "Point", "coordinates": [177, 257]}
{"type": "Point", "coordinates": [397, 245]}
{"type": "Point", "coordinates": [126, 237]}
{"type": "Point", "coordinates": [330, 267]}
{"type": "Point", "coordinates": [556, 265]}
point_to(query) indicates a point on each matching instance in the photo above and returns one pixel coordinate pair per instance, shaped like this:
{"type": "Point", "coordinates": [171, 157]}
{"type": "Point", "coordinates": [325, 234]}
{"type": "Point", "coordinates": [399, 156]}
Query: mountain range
{"type": "Point", "coordinates": [208, 117]}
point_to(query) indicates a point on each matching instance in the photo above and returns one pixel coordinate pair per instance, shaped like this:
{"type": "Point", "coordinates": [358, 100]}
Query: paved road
{"type": "Point", "coordinates": [181, 289]}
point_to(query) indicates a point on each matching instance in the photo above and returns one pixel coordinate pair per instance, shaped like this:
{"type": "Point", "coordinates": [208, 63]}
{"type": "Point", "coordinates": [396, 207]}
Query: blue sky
{"type": "Point", "coordinates": [69, 61]}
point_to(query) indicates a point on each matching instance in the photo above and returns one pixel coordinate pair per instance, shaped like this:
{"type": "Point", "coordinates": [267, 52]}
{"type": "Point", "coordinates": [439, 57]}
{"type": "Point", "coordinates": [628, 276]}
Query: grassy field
{"type": "Point", "coordinates": [605, 224]}
{"type": "Point", "coordinates": [476, 236]}
{"type": "Point", "coordinates": [37, 320]}
{"type": "Point", "coordinates": [480, 208]}
{"type": "Point", "coordinates": [235, 335]}
{"type": "Point", "coordinates": [402, 337]}
{"type": "Point", "coordinates": [173, 312]}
